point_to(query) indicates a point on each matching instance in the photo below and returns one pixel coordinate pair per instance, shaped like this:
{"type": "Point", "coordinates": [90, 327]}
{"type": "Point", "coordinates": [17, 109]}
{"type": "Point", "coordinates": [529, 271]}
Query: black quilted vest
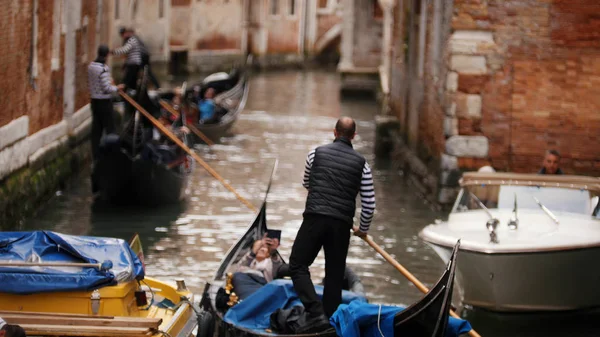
{"type": "Point", "coordinates": [335, 179]}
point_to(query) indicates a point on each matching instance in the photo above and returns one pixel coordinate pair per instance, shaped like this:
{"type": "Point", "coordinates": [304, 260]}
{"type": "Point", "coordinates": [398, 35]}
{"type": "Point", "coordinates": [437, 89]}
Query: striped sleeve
{"type": "Point", "coordinates": [105, 84]}
{"type": "Point", "coordinates": [307, 167]}
{"type": "Point", "coordinates": [367, 198]}
{"type": "Point", "coordinates": [126, 48]}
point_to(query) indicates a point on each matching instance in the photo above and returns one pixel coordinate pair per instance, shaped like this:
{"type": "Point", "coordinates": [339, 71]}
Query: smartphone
{"type": "Point", "coordinates": [274, 234]}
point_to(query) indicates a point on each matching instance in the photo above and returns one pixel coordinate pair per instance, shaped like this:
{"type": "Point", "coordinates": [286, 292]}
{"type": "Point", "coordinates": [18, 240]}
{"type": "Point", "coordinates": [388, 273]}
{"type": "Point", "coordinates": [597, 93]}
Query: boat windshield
{"type": "Point", "coordinates": [503, 197]}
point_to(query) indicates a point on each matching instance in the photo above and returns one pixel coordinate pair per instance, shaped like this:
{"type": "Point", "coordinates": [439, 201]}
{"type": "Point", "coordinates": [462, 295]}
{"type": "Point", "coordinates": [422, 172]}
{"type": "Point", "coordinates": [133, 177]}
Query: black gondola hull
{"type": "Point", "coordinates": [122, 180]}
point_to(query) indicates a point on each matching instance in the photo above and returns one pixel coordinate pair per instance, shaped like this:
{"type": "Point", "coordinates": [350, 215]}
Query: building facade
{"type": "Point", "coordinates": [46, 116]}
{"type": "Point", "coordinates": [497, 83]}
{"type": "Point", "coordinates": [210, 34]}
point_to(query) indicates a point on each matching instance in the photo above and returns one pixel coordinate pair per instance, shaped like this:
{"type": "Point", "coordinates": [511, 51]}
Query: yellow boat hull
{"type": "Point", "coordinates": [178, 316]}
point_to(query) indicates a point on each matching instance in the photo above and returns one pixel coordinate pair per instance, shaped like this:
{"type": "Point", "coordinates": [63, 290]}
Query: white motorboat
{"type": "Point", "coordinates": [528, 242]}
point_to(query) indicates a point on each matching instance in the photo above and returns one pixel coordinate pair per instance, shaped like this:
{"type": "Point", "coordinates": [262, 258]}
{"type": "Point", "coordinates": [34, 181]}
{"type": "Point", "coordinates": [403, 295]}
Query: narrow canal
{"type": "Point", "coordinates": [288, 113]}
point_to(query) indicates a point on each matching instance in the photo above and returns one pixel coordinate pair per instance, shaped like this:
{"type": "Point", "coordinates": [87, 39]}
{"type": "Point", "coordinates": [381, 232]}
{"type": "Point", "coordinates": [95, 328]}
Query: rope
{"type": "Point", "coordinates": [379, 321]}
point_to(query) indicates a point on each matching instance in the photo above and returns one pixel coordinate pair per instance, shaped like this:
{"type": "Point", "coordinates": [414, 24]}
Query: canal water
{"type": "Point", "coordinates": [288, 113]}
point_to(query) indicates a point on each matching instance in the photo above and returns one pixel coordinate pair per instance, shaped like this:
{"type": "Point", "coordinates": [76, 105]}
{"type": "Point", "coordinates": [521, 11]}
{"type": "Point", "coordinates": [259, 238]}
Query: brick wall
{"type": "Point", "coordinates": [42, 98]}
{"type": "Point", "coordinates": [541, 87]}
{"type": "Point", "coordinates": [15, 37]}
{"type": "Point", "coordinates": [523, 76]}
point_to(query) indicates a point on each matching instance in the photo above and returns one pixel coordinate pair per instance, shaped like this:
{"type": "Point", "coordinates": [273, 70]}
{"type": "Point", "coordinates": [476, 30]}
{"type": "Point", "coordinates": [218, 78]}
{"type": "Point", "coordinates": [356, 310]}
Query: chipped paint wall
{"type": "Point", "coordinates": [151, 20]}
{"type": "Point", "coordinates": [217, 25]}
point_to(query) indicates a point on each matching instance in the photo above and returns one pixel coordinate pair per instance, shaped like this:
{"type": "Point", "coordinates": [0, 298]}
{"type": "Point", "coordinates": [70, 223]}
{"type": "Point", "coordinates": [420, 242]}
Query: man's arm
{"type": "Point", "coordinates": [123, 49]}
{"type": "Point", "coordinates": [307, 167]}
{"type": "Point", "coordinates": [367, 199]}
{"type": "Point", "coordinates": [105, 84]}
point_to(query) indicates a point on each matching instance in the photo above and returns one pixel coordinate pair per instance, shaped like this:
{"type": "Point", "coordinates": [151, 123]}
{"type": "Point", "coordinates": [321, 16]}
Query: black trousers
{"type": "Point", "coordinates": [131, 76]}
{"type": "Point", "coordinates": [102, 120]}
{"type": "Point", "coordinates": [333, 235]}
{"type": "Point", "coordinates": [146, 63]}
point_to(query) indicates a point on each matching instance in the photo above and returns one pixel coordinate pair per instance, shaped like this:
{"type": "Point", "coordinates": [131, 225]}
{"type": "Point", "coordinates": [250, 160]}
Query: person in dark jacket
{"type": "Point", "coordinates": [550, 164]}
{"type": "Point", "coordinates": [334, 175]}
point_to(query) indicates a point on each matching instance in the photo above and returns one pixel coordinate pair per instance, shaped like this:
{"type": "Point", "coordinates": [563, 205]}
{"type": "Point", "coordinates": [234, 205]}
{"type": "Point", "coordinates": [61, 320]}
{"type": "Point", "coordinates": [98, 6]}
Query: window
{"type": "Point", "coordinates": [323, 3]}
{"type": "Point", "coordinates": [292, 7]}
{"type": "Point", "coordinates": [161, 9]}
{"type": "Point", "coordinates": [274, 7]}
{"type": "Point", "coordinates": [117, 9]}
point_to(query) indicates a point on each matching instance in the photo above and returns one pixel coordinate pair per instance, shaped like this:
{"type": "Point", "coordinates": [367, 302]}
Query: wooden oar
{"type": "Point", "coordinates": [194, 129]}
{"type": "Point", "coordinates": [408, 275]}
{"type": "Point", "coordinates": [177, 141]}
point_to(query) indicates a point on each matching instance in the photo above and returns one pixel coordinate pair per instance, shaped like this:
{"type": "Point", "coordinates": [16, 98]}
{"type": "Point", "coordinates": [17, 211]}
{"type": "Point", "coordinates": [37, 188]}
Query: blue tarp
{"type": "Point", "coordinates": [360, 319]}
{"type": "Point", "coordinates": [349, 320]}
{"type": "Point", "coordinates": [48, 247]}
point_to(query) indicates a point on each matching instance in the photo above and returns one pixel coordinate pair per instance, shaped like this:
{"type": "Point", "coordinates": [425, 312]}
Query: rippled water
{"type": "Point", "coordinates": [288, 114]}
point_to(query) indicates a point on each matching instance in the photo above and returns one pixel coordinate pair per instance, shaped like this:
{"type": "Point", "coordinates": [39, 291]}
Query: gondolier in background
{"type": "Point", "coordinates": [334, 175]}
{"type": "Point", "coordinates": [550, 164]}
{"type": "Point", "coordinates": [137, 58]}
{"type": "Point", "coordinates": [101, 92]}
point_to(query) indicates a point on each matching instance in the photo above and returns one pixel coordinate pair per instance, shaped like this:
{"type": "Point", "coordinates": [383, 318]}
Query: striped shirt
{"type": "Point", "coordinates": [134, 48]}
{"type": "Point", "coordinates": [367, 191]}
{"type": "Point", "coordinates": [99, 81]}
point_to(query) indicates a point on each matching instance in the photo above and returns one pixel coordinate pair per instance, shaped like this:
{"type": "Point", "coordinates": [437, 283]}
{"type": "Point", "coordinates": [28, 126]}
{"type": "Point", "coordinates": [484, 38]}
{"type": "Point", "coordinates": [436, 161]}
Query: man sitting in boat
{"type": "Point", "coordinates": [258, 263]}
{"type": "Point", "coordinates": [248, 279]}
{"type": "Point", "coordinates": [161, 149]}
{"type": "Point", "coordinates": [208, 108]}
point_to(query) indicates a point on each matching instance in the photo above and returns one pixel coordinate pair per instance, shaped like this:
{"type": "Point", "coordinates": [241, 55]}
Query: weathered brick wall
{"type": "Point", "coordinates": [217, 24]}
{"type": "Point", "coordinates": [15, 37]}
{"type": "Point", "coordinates": [42, 98]}
{"type": "Point", "coordinates": [539, 86]}
{"type": "Point", "coordinates": [46, 102]}
{"type": "Point", "coordinates": [86, 52]}
{"type": "Point", "coordinates": [368, 34]}
{"type": "Point", "coordinates": [283, 28]}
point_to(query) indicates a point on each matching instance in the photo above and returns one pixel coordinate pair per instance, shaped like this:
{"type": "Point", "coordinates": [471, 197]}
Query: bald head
{"type": "Point", "coordinates": [345, 127]}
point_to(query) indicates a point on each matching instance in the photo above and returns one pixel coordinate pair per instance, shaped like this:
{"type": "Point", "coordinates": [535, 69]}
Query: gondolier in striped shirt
{"type": "Point", "coordinates": [101, 93]}
{"type": "Point", "coordinates": [334, 175]}
{"type": "Point", "coordinates": [137, 56]}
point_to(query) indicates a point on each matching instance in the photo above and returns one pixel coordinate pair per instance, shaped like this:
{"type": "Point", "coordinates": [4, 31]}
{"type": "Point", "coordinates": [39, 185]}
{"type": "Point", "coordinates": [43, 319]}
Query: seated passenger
{"type": "Point", "coordinates": [207, 108]}
{"type": "Point", "coordinates": [258, 263]}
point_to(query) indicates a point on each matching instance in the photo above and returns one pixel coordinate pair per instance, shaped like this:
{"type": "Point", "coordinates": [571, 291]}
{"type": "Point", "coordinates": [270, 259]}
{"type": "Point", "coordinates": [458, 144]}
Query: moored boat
{"type": "Point", "coordinates": [62, 285]}
{"type": "Point", "coordinates": [526, 241]}
{"type": "Point", "coordinates": [427, 317]}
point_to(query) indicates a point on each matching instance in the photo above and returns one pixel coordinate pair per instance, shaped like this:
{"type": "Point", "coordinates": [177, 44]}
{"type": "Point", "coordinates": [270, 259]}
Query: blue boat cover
{"type": "Point", "coordinates": [50, 247]}
{"type": "Point", "coordinates": [354, 318]}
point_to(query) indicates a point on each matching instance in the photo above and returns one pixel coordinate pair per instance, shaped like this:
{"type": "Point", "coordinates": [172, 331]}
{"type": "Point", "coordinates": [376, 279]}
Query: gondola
{"type": "Point", "coordinates": [427, 317]}
{"type": "Point", "coordinates": [231, 95]}
{"type": "Point", "coordinates": [134, 169]}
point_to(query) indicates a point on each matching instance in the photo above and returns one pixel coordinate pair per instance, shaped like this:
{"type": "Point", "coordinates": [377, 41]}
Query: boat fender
{"type": "Point", "coordinates": [206, 324]}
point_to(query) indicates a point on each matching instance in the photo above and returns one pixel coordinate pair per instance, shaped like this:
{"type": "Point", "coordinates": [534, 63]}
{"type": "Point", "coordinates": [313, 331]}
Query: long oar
{"type": "Point", "coordinates": [408, 275]}
{"type": "Point", "coordinates": [195, 130]}
{"type": "Point", "coordinates": [177, 141]}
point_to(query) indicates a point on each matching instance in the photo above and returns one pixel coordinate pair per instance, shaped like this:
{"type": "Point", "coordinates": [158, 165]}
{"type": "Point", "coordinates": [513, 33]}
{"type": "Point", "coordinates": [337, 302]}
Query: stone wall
{"type": "Point", "coordinates": [48, 46]}
{"type": "Point", "coordinates": [502, 81]}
